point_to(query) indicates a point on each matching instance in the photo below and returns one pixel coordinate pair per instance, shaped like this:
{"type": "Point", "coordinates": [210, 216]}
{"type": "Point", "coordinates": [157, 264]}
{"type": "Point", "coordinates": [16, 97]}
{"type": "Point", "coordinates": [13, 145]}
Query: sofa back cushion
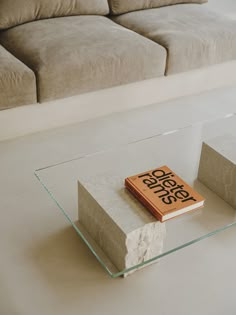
{"type": "Point", "coordinates": [15, 12]}
{"type": "Point", "coordinates": [124, 6]}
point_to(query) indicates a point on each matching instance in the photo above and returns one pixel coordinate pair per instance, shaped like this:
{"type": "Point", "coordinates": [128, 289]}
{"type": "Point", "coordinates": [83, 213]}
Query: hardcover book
{"type": "Point", "coordinates": [164, 193]}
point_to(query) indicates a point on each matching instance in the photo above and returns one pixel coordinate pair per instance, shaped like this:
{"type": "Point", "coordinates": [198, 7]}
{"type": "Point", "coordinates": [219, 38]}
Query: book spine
{"type": "Point", "coordinates": [144, 202]}
{"type": "Point", "coordinates": [142, 195]}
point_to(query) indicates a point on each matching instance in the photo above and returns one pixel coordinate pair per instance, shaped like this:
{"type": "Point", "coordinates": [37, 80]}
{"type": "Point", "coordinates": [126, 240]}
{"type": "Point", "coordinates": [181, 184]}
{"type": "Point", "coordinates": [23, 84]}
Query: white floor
{"type": "Point", "coordinates": [44, 266]}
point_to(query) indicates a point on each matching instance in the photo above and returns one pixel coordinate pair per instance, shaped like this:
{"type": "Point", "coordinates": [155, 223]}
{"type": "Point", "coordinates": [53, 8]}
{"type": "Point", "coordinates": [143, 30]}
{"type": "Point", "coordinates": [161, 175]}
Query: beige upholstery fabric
{"type": "Point", "coordinates": [193, 36]}
{"type": "Point", "coordinates": [124, 6]}
{"type": "Point", "coordinates": [16, 12]}
{"type": "Point", "coordinates": [73, 55]}
{"type": "Point", "coordinates": [17, 82]}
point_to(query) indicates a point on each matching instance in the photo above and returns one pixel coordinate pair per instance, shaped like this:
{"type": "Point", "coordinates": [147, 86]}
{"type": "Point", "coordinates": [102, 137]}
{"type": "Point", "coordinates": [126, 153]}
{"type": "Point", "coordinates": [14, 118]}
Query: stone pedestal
{"type": "Point", "coordinates": [120, 225]}
{"type": "Point", "coordinates": [217, 169]}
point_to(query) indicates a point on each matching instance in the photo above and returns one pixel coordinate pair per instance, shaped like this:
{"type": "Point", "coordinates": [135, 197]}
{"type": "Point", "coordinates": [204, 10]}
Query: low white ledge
{"type": "Point", "coordinates": [28, 119]}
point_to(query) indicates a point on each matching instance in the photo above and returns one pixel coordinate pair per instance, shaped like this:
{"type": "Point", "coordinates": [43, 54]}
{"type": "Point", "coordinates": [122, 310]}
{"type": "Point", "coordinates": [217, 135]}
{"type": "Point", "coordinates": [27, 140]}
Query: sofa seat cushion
{"type": "Point", "coordinates": [16, 12]}
{"type": "Point", "coordinates": [124, 6]}
{"type": "Point", "coordinates": [73, 55]}
{"type": "Point", "coordinates": [193, 35]}
{"type": "Point", "coordinates": [17, 82]}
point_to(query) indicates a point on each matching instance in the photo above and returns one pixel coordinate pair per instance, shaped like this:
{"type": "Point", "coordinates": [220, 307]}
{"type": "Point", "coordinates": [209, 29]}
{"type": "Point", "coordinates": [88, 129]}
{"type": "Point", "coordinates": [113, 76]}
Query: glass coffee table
{"type": "Point", "coordinates": [180, 150]}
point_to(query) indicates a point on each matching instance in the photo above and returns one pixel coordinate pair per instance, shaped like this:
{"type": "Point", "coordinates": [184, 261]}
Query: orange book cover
{"type": "Point", "coordinates": [164, 193]}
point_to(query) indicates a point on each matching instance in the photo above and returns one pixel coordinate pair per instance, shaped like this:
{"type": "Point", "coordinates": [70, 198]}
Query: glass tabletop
{"type": "Point", "coordinates": [180, 150]}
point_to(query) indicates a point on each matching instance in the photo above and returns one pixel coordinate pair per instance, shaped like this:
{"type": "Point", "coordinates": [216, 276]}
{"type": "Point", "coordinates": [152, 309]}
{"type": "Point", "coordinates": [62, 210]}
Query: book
{"type": "Point", "coordinates": [164, 193]}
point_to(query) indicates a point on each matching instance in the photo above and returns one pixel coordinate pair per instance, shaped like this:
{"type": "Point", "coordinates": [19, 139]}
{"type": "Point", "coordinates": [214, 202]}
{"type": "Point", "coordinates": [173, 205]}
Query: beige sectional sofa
{"type": "Point", "coordinates": [81, 54]}
{"type": "Point", "coordinates": [56, 49]}
{"type": "Point", "coordinates": [17, 81]}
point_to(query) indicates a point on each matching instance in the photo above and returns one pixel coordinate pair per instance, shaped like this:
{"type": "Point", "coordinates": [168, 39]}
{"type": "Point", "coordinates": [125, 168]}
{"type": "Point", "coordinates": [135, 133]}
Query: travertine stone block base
{"type": "Point", "coordinates": [121, 226]}
{"type": "Point", "coordinates": [217, 168]}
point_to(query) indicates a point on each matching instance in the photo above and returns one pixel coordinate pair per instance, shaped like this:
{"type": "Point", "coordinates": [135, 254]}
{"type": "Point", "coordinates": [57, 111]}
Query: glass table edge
{"type": "Point", "coordinates": [121, 273]}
